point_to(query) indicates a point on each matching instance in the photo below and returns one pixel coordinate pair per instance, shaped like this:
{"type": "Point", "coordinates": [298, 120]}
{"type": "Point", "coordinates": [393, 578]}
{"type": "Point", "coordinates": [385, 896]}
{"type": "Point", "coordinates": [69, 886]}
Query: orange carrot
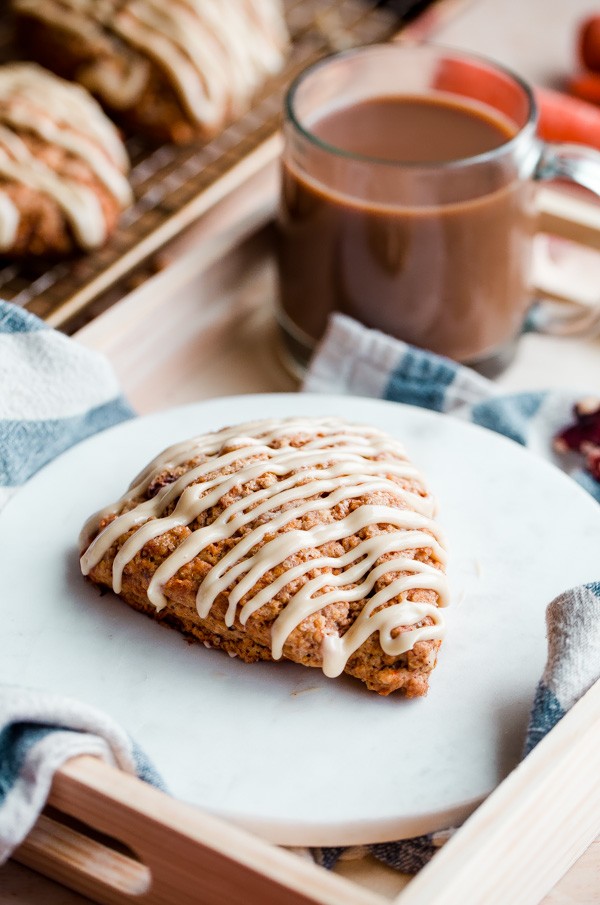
{"type": "Point", "coordinates": [561, 118]}
{"type": "Point", "coordinates": [586, 87]}
{"type": "Point", "coordinates": [589, 43]}
{"type": "Point", "coordinates": [478, 81]}
{"type": "Point", "coordinates": [564, 118]}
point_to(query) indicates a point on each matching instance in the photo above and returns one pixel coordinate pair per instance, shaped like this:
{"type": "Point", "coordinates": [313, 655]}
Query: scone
{"type": "Point", "coordinates": [63, 167]}
{"type": "Point", "coordinates": [308, 539]}
{"type": "Point", "coordinates": [173, 69]}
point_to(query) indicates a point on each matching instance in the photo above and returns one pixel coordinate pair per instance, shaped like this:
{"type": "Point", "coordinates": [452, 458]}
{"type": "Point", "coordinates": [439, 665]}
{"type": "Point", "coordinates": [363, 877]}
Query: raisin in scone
{"type": "Point", "coordinates": [173, 69]}
{"type": "Point", "coordinates": [63, 167]}
{"type": "Point", "coordinates": [308, 539]}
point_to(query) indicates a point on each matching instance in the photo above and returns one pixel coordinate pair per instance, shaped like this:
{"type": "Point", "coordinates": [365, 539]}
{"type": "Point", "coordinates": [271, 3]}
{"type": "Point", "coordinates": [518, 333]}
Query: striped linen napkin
{"type": "Point", "coordinates": [54, 393]}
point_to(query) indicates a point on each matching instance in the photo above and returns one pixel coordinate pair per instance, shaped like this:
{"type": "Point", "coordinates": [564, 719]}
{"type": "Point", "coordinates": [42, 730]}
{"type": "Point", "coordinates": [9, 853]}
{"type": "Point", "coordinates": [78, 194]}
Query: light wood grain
{"type": "Point", "coordinates": [581, 883]}
{"type": "Point", "coordinates": [514, 848]}
{"type": "Point", "coordinates": [191, 857]}
{"type": "Point", "coordinates": [61, 851]}
{"type": "Point", "coordinates": [524, 837]}
{"type": "Point", "coordinates": [570, 218]}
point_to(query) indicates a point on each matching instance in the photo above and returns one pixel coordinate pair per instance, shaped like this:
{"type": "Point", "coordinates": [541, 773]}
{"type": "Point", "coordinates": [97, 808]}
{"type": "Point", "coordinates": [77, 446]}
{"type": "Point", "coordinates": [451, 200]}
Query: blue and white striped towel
{"type": "Point", "coordinates": [54, 393]}
{"type": "Point", "coordinates": [355, 361]}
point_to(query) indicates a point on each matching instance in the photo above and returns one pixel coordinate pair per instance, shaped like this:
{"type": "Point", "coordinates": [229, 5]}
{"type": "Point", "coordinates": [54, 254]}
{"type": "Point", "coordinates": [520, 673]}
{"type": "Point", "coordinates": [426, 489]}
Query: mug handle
{"type": "Point", "coordinates": [571, 219]}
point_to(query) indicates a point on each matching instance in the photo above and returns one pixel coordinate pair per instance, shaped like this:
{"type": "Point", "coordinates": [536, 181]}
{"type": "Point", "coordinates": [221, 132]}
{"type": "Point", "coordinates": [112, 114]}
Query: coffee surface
{"type": "Point", "coordinates": [412, 130]}
{"type": "Point", "coordinates": [449, 271]}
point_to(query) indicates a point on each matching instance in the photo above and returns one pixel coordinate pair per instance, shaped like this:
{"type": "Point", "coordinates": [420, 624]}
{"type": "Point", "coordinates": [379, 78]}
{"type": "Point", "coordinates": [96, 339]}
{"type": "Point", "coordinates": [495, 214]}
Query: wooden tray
{"type": "Point", "coordinates": [115, 839]}
{"type": "Point", "coordinates": [513, 849]}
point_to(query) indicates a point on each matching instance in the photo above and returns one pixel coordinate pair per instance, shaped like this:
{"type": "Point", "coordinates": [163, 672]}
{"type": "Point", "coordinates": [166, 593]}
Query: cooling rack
{"type": "Point", "coordinates": [174, 185]}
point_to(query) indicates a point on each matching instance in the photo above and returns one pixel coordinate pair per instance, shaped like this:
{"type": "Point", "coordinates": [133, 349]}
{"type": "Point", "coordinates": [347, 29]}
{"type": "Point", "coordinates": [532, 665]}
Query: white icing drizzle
{"type": "Point", "coordinates": [215, 53]}
{"type": "Point", "coordinates": [9, 222]}
{"type": "Point", "coordinates": [22, 117]}
{"type": "Point", "coordinates": [338, 463]}
{"type": "Point", "coordinates": [78, 202]}
{"type": "Point", "coordinates": [174, 44]}
{"type": "Point", "coordinates": [37, 102]}
{"type": "Point", "coordinates": [71, 17]}
{"type": "Point", "coordinates": [121, 88]}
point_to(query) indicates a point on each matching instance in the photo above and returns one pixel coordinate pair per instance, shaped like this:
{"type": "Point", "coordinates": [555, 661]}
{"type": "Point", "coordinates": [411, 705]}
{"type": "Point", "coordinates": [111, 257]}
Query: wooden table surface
{"type": "Point", "coordinates": [231, 348]}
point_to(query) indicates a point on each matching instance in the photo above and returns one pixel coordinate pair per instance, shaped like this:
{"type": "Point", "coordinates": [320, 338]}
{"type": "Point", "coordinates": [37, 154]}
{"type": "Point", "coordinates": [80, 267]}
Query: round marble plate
{"type": "Point", "coordinates": [276, 747]}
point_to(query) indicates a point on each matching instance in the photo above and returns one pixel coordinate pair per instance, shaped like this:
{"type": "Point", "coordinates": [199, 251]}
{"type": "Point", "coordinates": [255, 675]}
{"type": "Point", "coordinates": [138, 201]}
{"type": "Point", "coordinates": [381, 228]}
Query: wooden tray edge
{"type": "Point", "coordinates": [514, 848]}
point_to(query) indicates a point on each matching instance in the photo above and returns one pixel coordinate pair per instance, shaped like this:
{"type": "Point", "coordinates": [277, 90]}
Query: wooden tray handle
{"type": "Point", "coordinates": [514, 848]}
{"type": "Point", "coordinates": [186, 856]}
{"type": "Point", "coordinates": [578, 221]}
{"type": "Point", "coordinates": [568, 217]}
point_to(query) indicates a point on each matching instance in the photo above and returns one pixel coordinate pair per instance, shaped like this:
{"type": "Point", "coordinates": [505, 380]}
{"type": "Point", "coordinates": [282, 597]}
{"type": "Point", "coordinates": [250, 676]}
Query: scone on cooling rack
{"type": "Point", "coordinates": [63, 166]}
{"type": "Point", "coordinates": [308, 539]}
{"type": "Point", "coordinates": [175, 70]}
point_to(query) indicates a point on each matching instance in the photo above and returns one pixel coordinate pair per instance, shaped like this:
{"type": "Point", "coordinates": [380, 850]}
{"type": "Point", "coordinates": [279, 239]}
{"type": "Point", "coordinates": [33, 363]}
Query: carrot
{"type": "Point", "coordinates": [481, 83]}
{"type": "Point", "coordinates": [561, 118]}
{"type": "Point", "coordinates": [586, 87]}
{"type": "Point", "coordinates": [564, 118]}
{"type": "Point", "coordinates": [589, 43]}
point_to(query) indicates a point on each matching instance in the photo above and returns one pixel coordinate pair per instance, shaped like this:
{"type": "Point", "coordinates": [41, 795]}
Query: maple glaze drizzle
{"type": "Point", "coordinates": [33, 101]}
{"type": "Point", "coordinates": [216, 53]}
{"type": "Point", "coordinates": [338, 463]}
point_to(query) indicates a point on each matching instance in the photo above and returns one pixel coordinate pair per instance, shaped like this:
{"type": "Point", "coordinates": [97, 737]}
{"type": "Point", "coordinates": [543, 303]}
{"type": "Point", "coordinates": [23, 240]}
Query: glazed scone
{"type": "Point", "coordinates": [172, 69]}
{"type": "Point", "coordinates": [63, 167]}
{"type": "Point", "coordinates": [308, 539]}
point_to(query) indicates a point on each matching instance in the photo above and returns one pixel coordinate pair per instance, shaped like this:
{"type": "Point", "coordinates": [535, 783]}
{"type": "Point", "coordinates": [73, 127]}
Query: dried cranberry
{"type": "Point", "coordinates": [593, 462]}
{"type": "Point", "coordinates": [584, 435]}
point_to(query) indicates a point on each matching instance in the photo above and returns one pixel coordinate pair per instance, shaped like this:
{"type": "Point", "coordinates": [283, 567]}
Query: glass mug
{"type": "Point", "coordinates": [408, 200]}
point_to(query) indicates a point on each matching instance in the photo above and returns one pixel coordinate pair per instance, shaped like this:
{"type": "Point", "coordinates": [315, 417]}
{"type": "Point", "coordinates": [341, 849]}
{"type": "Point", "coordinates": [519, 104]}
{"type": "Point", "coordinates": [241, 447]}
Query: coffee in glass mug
{"type": "Point", "coordinates": [408, 200]}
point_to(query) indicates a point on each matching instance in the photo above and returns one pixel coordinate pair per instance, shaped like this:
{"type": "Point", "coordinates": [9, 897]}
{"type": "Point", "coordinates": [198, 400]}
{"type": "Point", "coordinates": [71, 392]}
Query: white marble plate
{"type": "Point", "coordinates": [277, 747]}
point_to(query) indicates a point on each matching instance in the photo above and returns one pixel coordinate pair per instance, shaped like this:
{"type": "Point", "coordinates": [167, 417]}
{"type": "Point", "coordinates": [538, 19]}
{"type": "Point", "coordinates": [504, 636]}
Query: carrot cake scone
{"type": "Point", "coordinates": [173, 69]}
{"type": "Point", "coordinates": [311, 539]}
{"type": "Point", "coordinates": [62, 165]}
